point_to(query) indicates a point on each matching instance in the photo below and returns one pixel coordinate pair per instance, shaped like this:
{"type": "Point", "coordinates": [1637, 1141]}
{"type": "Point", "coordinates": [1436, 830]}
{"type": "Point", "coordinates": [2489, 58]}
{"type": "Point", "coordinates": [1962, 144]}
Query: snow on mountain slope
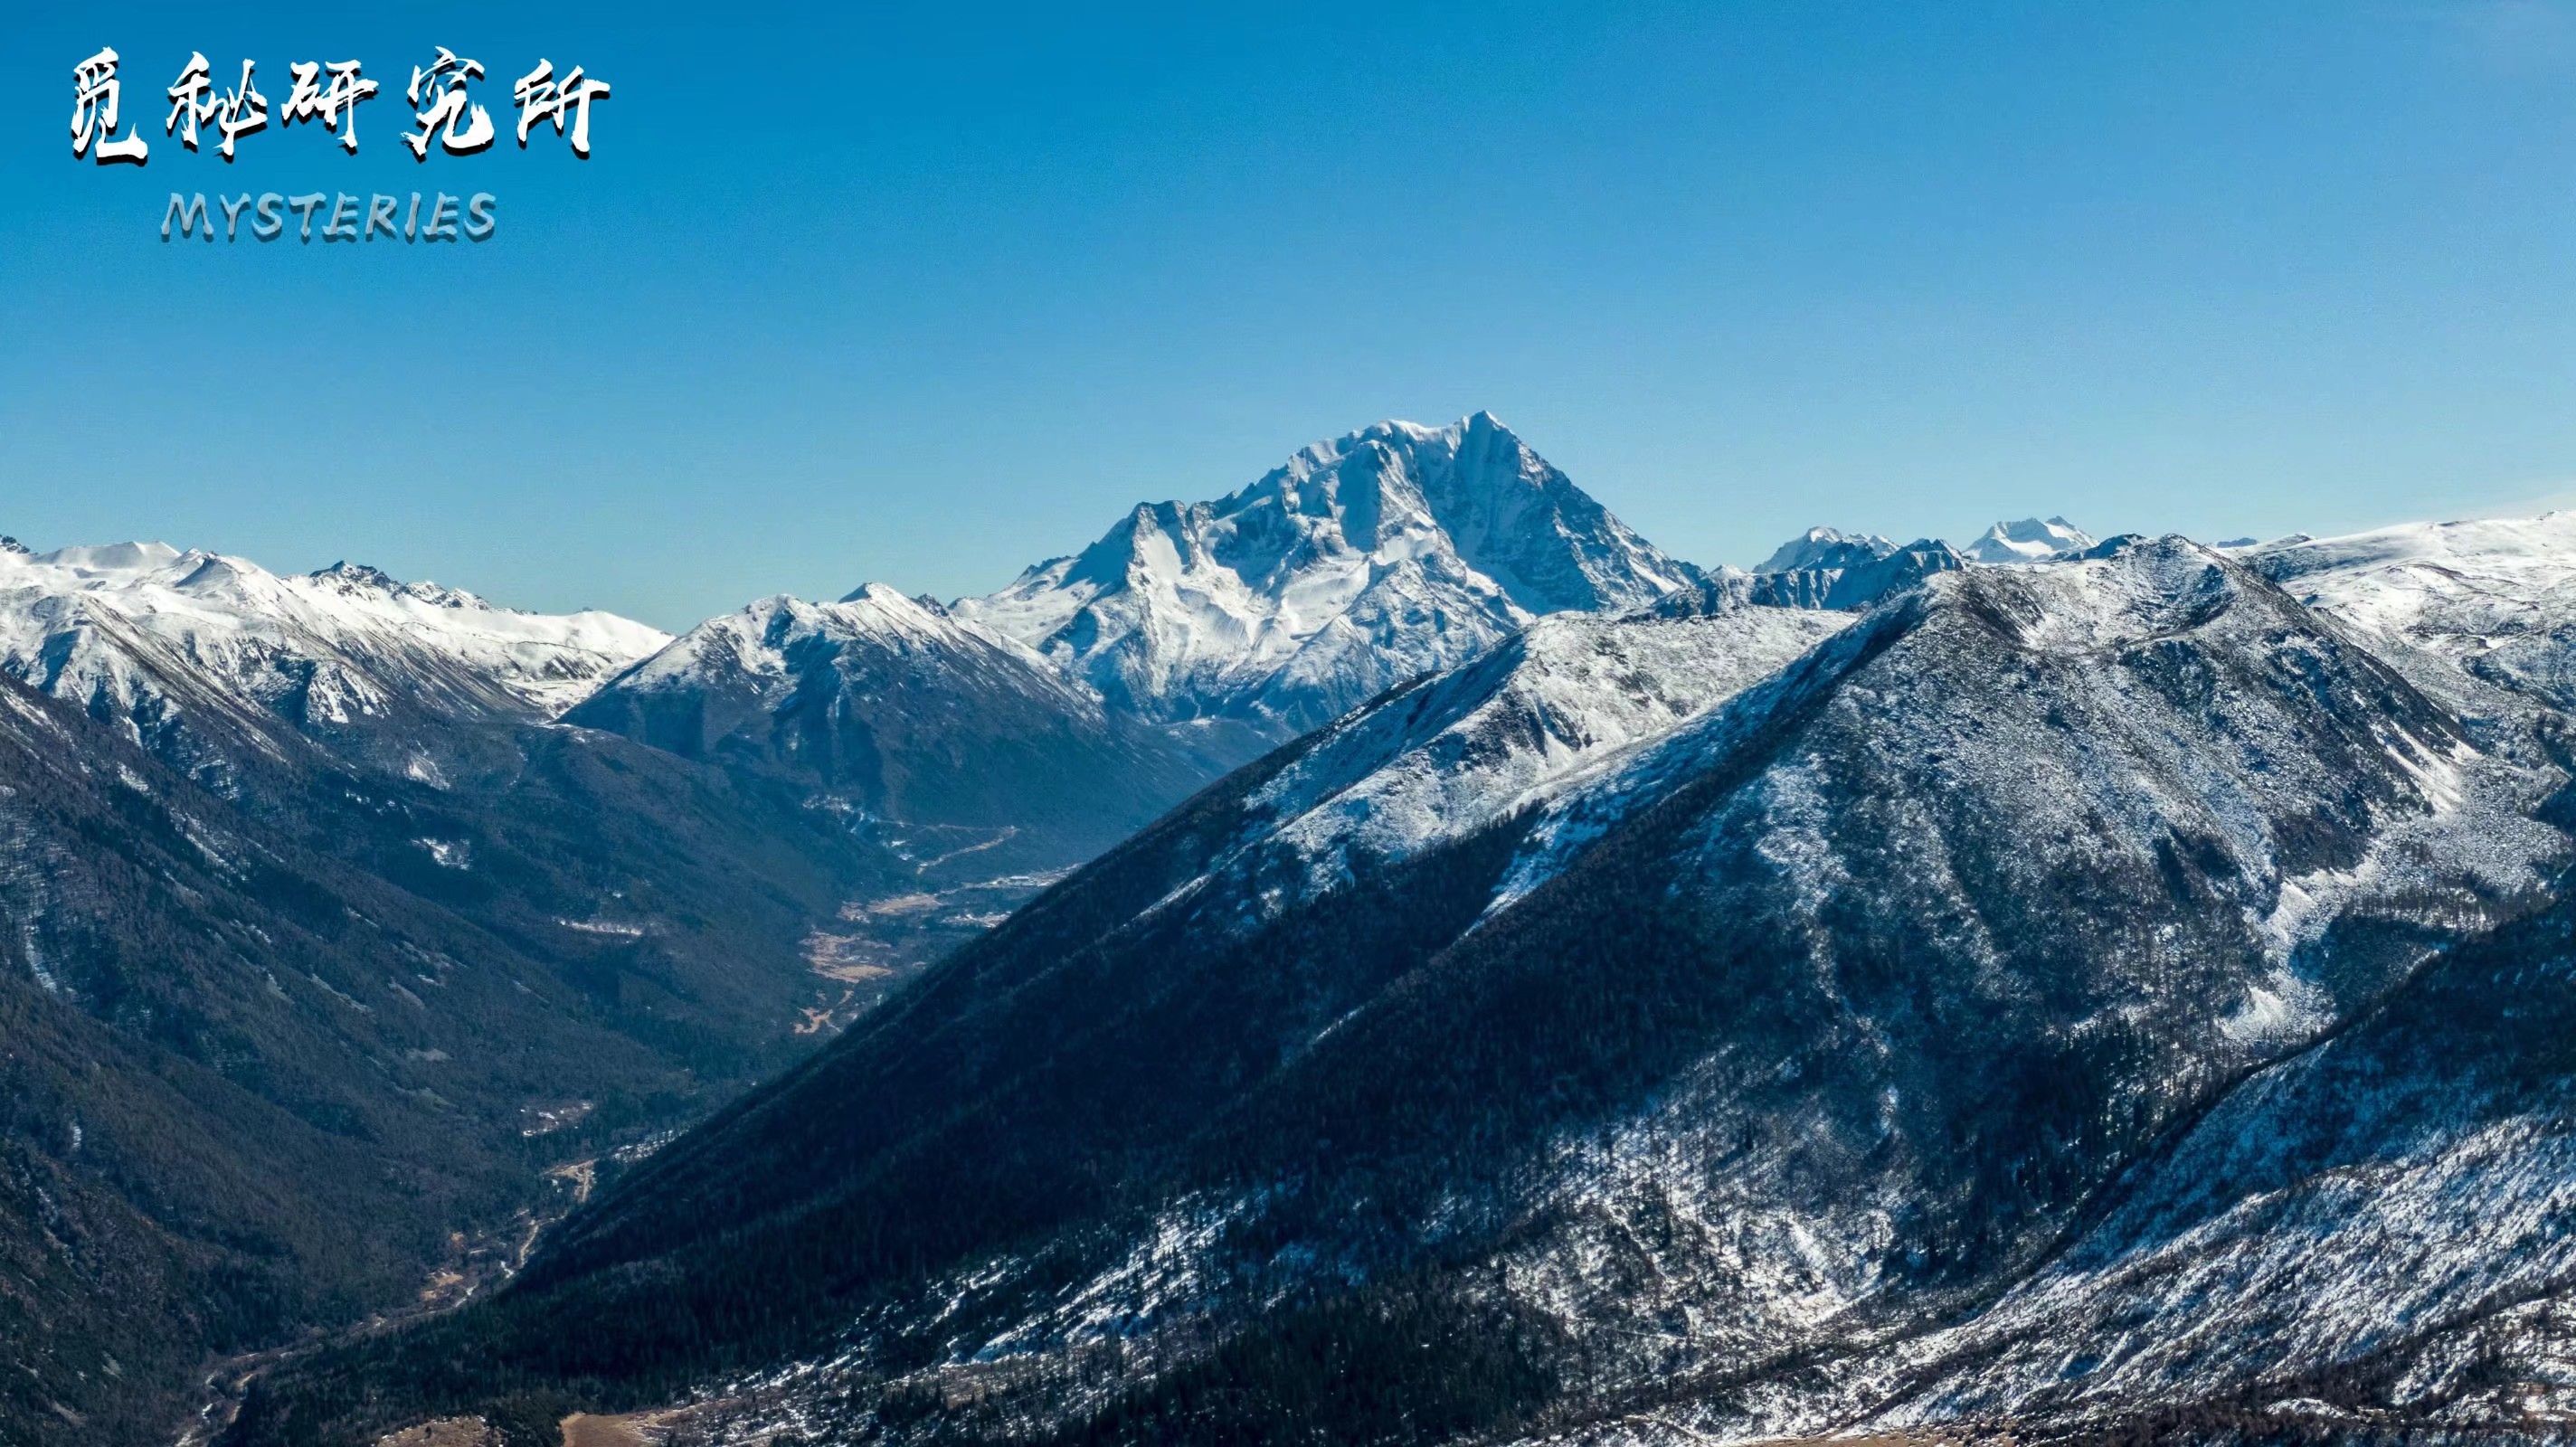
{"type": "Point", "coordinates": [924, 723]}
{"type": "Point", "coordinates": [2361, 1241]}
{"type": "Point", "coordinates": [2214, 728]}
{"type": "Point", "coordinates": [1392, 552]}
{"type": "Point", "coordinates": [2115, 606]}
{"type": "Point", "coordinates": [2371, 1233]}
{"type": "Point", "coordinates": [1461, 751]}
{"type": "Point", "coordinates": [2028, 541]}
{"type": "Point", "coordinates": [758, 646]}
{"type": "Point", "coordinates": [2496, 598]}
{"type": "Point", "coordinates": [159, 639]}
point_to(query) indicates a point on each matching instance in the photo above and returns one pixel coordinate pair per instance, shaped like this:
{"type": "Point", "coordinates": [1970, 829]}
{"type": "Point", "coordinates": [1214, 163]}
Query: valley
{"type": "Point", "coordinates": [876, 945]}
{"type": "Point", "coordinates": [472, 1265]}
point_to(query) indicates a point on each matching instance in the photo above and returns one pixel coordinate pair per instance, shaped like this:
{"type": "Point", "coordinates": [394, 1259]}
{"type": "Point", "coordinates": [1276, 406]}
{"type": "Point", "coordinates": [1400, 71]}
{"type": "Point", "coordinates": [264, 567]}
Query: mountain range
{"type": "Point", "coordinates": [1511, 1060]}
{"type": "Point", "coordinates": [1387, 955]}
{"type": "Point", "coordinates": [339, 899]}
{"type": "Point", "coordinates": [193, 653]}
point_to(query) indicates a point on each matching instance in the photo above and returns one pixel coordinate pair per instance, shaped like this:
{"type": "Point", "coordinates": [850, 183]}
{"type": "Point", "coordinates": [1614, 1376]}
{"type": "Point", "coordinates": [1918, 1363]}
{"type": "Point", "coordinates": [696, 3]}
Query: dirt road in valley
{"type": "Point", "coordinates": [472, 1264]}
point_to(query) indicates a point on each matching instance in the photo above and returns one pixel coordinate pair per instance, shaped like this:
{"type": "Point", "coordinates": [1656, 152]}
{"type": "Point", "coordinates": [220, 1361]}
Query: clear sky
{"type": "Point", "coordinates": [923, 295]}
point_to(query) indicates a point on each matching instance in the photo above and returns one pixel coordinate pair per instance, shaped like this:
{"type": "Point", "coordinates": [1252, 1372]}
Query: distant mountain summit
{"type": "Point", "coordinates": [932, 727]}
{"type": "Point", "coordinates": [1044, 722]}
{"type": "Point", "coordinates": [1394, 551]}
{"type": "Point", "coordinates": [2029, 541]}
{"type": "Point", "coordinates": [1828, 568]}
{"type": "Point", "coordinates": [1825, 548]}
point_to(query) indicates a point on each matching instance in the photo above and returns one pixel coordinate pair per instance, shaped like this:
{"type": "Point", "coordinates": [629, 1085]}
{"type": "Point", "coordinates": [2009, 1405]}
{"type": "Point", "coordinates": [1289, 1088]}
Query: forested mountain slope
{"type": "Point", "coordinates": [1807, 1023]}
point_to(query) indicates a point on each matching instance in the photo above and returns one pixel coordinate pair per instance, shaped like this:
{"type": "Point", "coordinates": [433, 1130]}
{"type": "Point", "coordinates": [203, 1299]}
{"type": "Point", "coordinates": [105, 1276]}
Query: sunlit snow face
{"type": "Point", "coordinates": [362, 637]}
{"type": "Point", "coordinates": [1362, 562]}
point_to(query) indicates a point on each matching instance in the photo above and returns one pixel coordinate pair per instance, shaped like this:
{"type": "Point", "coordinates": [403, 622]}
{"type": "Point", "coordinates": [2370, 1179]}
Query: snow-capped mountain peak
{"type": "Point", "coordinates": [762, 640]}
{"type": "Point", "coordinates": [1360, 562]}
{"type": "Point", "coordinates": [1830, 569]}
{"type": "Point", "coordinates": [359, 578]}
{"type": "Point", "coordinates": [934, 727]}
{"type": "Point", "coordinates": [112, 560]}
{"type": "Point", "coordinates": [2030, 540]}
{"type": "Point", "coordinates": [1823, 547]}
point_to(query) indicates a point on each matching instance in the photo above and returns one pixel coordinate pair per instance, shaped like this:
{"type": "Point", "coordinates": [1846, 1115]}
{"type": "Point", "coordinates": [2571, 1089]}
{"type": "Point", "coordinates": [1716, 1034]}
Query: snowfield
{"type": "Point", "coordinates": [149, 635]}
{"type": "Point", "coordinates": [2495, 598]}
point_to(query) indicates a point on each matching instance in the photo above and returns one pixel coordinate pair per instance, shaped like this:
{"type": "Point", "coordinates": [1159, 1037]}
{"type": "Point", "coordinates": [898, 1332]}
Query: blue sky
{"type": "Point", "coordinates": [924, 295]}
